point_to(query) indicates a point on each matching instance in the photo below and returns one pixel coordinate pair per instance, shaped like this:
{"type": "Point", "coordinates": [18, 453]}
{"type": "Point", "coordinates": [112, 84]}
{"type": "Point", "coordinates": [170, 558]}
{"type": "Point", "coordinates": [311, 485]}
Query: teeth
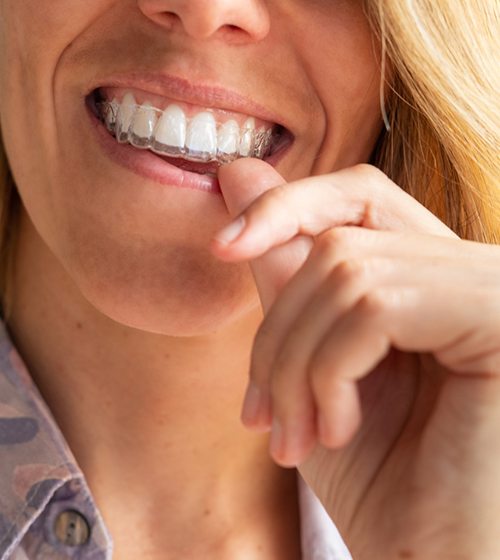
{"type": "Point", "coordinates": [142, 126]}
{"type": "Point", "coordinates": [262, 142]}
{"type": "Point", "coordinates": [110, 115]}
{"type": "Point", "coordinates": [246, 142]}
{"type": "Point", "coordinates": [126, 111]}
{"type": "Point", "coordinates": [201, 140]}
{"type": "Point", "coordinates": [170, 133]}
{"type": "Point", "coordinates": [228, 140]}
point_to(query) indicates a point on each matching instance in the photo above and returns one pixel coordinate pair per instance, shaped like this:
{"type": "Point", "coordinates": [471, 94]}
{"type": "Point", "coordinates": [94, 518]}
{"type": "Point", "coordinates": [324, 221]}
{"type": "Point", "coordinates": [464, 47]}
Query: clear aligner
{"type": "Point", "coordinates": [170, 133]}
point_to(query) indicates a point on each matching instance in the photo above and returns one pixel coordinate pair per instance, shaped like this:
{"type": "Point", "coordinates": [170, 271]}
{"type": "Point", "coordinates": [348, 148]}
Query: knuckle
{"type": "Point", "coordinates": [375, 183]}
{"type": "Point", "coordinates": [374, 303]}
{"type": "Point", "coordinates": [280, 378]}
{"type": "Point", "coordinates": [369, 173]}
{"type": "Point", "coordinates": [277, 196]}
{"type": "Point", "coordinates": [279, 201]}
{"type": "Point", "coordinates": [322, 377]}
{"type": "Point", "coordinates": [333, 241]}
{"type": "Point", "coordinates": [350, 271]}
{"type": "Point", "coordinates": [268, 201]}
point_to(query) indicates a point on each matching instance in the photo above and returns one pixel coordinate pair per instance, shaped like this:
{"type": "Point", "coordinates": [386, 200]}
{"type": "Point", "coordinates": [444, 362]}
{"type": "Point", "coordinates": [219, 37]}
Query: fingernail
{"type": "Point", "coordinates": [251, 404]}
{"type": "Point", "coordinates": [276, 441]}
{"type": "Point", "coordinates": [231, 232]}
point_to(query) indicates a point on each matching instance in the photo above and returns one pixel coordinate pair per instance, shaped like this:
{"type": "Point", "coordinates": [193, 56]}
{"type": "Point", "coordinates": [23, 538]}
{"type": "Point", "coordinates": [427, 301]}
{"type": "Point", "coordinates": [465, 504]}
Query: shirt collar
{"type": "Point", "coordinates": [38, 472]}
{"type": "Point", "coordinates": [319, 535]}
{"type": "Point", "coordinates": [39, 476]}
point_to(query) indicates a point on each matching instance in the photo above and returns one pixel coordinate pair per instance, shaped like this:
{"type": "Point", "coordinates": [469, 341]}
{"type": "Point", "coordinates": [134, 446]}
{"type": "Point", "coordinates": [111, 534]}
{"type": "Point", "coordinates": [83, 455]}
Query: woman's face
{"type": "Point", "coordinates": [137, 247]}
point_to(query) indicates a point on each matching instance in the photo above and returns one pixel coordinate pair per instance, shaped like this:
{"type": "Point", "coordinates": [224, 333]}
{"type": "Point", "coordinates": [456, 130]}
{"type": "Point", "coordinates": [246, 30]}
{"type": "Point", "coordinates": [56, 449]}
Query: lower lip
{"type": "Point", "coordinates": [148, 165]}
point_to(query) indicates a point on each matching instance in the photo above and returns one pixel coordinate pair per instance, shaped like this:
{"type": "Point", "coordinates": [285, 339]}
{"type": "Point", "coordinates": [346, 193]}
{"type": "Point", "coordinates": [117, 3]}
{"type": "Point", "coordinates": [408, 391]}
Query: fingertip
{"type": "Point", "coordinates": [244, 180]}
{"type": "Point", "coordinates": [290, 445]}
{"type": "Point", "coordinates": [231, 232]}
{"type": "Point", "coordinates": [227, 252]}
{"type": "Point", "coordinates": [221, 251]}
{"type": "Point", "coordinates": [256, 410]}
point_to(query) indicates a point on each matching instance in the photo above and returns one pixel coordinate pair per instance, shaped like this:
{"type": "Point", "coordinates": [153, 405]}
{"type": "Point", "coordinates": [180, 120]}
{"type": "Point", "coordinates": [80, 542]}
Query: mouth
{"type": "Point", "coordinates": [194, 139]}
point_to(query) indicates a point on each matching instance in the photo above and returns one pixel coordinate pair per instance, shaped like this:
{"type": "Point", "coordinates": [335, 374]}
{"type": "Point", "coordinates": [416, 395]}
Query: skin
{"type": "Point", "coordinates": [152, 318]}
{"type": "Point", "coordinates": [138, 337]}
{"type": "Point", "coordinates": [377, 363]}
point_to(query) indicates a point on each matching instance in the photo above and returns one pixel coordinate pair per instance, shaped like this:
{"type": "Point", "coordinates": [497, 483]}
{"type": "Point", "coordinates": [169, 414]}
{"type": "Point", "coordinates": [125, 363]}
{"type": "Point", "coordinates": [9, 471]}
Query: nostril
{"type": "Point", "coordinates": [168, 20]}
{"type": "Point", "coordinates": [237, 22]}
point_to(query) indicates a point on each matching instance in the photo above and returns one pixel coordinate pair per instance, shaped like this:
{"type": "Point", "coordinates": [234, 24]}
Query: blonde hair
{"type": "Point", "coordinates": [444, 142]}
{"type": "Point", "coordinates": [442, 110]}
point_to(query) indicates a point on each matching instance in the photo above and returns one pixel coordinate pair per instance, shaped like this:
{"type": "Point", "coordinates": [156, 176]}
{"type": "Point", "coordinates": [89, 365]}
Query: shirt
{"type": "Point", "coordinates": [46, 508]}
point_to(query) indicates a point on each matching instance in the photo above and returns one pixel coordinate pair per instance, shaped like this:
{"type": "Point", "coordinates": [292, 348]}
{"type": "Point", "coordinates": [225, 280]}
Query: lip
{"type": "Point", "coordinates": [147, 164]}
{"type": "Point", "coordinates": [178, 88]}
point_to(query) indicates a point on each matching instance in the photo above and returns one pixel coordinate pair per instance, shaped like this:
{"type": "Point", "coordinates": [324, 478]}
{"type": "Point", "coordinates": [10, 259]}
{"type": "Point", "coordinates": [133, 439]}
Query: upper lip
{"type": "Point", "coordinates": [182, 89]}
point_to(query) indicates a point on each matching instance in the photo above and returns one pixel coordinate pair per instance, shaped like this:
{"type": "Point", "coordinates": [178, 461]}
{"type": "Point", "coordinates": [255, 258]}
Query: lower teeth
{"type": "Point", "coordinates": [136, 125]}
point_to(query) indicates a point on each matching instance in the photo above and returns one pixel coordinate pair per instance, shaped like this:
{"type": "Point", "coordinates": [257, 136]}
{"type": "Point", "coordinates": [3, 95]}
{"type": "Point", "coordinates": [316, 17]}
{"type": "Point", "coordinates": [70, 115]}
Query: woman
{"type": "Point", "coordinates": [361, 288]}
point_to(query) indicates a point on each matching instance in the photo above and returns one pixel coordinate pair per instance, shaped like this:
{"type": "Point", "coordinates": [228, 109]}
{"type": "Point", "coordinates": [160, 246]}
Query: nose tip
{"type": "Point", "coordinates": [239, 20]}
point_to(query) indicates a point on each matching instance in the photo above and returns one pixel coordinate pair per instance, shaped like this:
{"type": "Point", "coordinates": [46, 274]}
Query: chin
{"type": "Point", "coordinates": [185, 297]}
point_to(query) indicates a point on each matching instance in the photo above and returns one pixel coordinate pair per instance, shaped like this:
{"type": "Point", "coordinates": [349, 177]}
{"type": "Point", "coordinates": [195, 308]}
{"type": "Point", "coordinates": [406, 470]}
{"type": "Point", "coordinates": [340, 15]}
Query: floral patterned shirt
{"type": "Point", "coordinates": [46, 508]}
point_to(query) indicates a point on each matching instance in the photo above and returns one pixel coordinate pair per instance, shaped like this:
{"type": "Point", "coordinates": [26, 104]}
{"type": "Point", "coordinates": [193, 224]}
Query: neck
{"type": "Point", "coordinates": [151, 419]}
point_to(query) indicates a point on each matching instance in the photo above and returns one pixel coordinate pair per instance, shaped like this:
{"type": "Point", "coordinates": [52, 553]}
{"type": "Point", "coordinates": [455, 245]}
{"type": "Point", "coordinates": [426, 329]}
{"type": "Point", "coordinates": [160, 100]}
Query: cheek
{"type": "Point", "coordinates": [34, 35]}
{"type": "Point", "coordinates": [344, 59]}
{"type": "Point", "coordinates": [37, 30]}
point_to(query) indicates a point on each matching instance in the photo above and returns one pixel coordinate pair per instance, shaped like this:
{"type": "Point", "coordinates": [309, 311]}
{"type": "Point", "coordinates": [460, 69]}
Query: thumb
{"type": "Point", "coordinates": [242, 182]}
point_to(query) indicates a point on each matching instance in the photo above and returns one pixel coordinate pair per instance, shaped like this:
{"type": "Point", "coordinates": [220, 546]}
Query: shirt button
{"type": "Point", "coordinates": [71, 528]}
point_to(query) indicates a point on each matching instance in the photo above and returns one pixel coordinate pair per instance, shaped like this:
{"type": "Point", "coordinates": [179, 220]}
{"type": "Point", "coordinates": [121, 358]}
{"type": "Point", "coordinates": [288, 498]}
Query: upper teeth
{"type": "Point", "coordinates": [170, 132]}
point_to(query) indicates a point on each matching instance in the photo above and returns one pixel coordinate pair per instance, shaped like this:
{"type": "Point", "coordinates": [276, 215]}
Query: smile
{"type": "Point", "coordinates": [178, 130]}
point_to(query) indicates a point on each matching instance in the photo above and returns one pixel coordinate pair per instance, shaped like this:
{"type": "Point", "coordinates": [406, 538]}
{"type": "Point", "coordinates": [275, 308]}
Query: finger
{"type": "Point", "coordinates": [292, 440]}
{"type": "Point", "coordinates": [361, 196]}
{"type": "Point", "coordinates": [284, 379]}
{"type": "Point", "coordinates": [241, 182]}
{"type": "Point", "coordinates": [280, 361]}
{"type": "Point", "coordinates": [329, 283]}
{"type": "Point", "coordinates": [244, 180]}
{"type": "Point", "coordinates": [281, 364]}
{"type": "Point", "coordinates": [409, 319]}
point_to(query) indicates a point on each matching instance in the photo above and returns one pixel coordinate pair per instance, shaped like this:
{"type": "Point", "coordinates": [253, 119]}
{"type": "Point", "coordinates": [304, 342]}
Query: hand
{"type": "Point", "coordinates": [378, 359]}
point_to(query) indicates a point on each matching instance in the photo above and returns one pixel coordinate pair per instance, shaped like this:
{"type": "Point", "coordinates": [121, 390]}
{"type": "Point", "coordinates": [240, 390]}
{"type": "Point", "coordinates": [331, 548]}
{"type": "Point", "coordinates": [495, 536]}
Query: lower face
{"type": "Point", "coordinates": [131, 227]}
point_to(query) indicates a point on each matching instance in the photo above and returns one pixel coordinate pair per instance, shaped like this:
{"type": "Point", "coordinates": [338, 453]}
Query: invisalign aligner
{"type": "Point", "coordinates": [257, 143]}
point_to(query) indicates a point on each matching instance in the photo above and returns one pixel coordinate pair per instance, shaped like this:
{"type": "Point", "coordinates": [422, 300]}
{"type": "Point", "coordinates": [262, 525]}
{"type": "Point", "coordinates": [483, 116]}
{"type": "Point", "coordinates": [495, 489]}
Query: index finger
{"type": "Point", "coordinates": [358, 196]}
